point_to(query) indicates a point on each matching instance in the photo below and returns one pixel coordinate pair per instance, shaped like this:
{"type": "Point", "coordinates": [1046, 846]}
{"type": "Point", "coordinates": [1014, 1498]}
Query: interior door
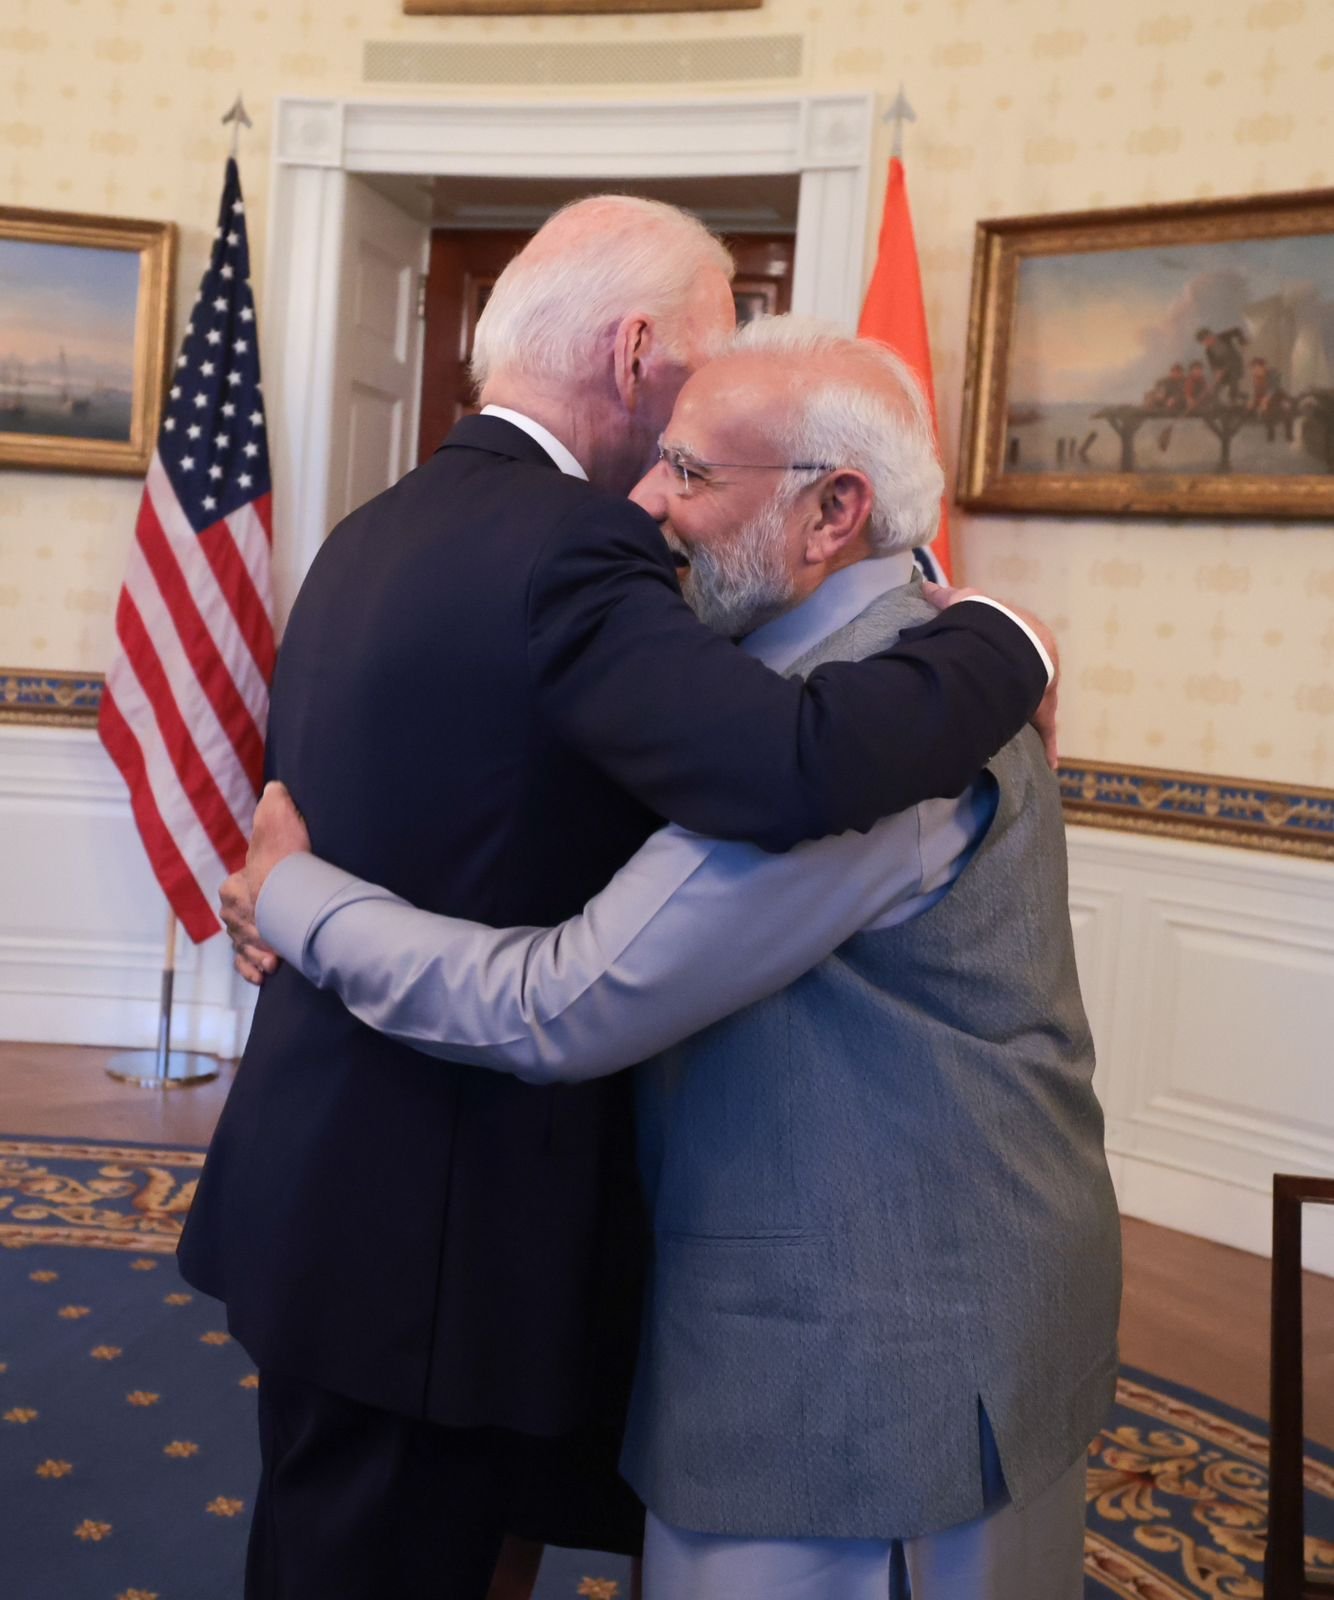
{"type": "Point", "coordinates": [465, 264]}
{"type": "Point", "coordinates": [379, 348]}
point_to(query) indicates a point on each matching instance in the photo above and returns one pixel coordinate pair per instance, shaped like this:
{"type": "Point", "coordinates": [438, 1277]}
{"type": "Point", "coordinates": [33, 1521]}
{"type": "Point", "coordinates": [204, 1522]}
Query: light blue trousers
{"type": "Point", "coordinates": [1033, 1553]}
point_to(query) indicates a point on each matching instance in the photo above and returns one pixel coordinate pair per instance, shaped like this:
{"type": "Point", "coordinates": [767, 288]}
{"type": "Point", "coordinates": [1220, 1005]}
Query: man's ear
{"type": "Point", "coordinates": [631, 351]}
{"type": "Point", "coordinates": [844, 509]}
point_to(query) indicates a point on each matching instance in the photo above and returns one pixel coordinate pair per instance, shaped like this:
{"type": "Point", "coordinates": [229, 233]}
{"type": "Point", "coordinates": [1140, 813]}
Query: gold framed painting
{"type": "Point", "coordinates": [85, 304]}
{"type": "Point", "coordinates": [1174, 360]}
{"type": "Point", "coordinates": [567, 8]}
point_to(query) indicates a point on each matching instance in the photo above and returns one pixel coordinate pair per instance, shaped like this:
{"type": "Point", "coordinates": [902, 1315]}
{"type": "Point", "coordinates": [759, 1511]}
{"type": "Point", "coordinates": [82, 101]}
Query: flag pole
{"type": "Point", "coordinates": [899, 113]}
{"type": "Point", "coordinates": [894, 312]}
{"type": "Point", "coordinates": [183, 1069]}
{"type": "Point", "coordinates": [209, 475]}
{"type": "Point", "coordinates": [163, 1068]}
{"type": "Point", "coordinates": [239, 118]}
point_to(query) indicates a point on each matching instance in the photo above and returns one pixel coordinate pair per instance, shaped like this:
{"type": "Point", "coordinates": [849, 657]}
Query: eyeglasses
{"type": "Point", "coordinates": [688, 470]}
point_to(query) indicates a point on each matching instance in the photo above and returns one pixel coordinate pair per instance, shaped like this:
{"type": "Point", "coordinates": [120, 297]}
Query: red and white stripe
{"type": "Point", "coordinates": [186, 700]}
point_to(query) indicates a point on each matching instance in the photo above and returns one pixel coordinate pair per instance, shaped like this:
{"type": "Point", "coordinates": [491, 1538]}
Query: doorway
{"type": "Point", "coordinates": [354, 203]}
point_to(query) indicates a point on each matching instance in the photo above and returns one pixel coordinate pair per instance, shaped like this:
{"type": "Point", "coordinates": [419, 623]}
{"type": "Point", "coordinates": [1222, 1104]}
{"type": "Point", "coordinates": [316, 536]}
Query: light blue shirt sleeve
{"type": "Point", "coordinates": [688, 931]}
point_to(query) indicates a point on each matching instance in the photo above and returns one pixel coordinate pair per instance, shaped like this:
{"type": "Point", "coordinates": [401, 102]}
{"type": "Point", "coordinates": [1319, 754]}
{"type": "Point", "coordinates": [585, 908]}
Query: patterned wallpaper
{"type": "Point", "coordinates": [1207, 646]}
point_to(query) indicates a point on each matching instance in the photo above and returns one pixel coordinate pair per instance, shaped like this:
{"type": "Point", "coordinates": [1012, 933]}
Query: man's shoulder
{"type": "Point", "coordinates": [461, 493]}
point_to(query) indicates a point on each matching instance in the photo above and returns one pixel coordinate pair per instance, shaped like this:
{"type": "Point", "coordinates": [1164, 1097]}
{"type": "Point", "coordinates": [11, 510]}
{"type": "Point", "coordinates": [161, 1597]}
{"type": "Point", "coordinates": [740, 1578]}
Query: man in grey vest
{"type": "Point", "coordinates": [881, 1326]}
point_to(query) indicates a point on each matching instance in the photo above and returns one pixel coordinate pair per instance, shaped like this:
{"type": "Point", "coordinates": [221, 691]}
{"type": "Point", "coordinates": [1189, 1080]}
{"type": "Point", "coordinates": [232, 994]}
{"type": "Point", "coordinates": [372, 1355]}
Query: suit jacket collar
{"type": "Point", "coordinates": [498, 438]}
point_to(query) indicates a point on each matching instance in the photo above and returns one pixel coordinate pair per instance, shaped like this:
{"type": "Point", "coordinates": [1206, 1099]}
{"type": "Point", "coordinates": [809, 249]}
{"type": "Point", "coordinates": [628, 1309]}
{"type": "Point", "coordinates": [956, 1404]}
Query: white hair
{"type": "Point", "coordinates": [872, 418]}
{"type": "Point", "coordinates": [590, 265]}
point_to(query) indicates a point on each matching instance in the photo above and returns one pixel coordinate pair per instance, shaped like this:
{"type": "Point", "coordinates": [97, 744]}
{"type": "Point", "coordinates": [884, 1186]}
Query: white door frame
{"type": "Point", "coordinates": [321, 145]}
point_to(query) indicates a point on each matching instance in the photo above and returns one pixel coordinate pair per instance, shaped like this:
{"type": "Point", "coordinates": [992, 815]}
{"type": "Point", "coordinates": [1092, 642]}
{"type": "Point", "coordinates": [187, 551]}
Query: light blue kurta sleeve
{"type": "Point", "coordinates": [688, 931]}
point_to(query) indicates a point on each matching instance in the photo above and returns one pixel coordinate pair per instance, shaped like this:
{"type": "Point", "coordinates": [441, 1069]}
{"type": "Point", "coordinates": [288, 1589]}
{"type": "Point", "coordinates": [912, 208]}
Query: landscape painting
{"type": "Point", "coordinates": [67, 340]}
{"type": "Point", "coordinates": [1178, 360]}
{"type": "Point", "coordinates": [83, 307]}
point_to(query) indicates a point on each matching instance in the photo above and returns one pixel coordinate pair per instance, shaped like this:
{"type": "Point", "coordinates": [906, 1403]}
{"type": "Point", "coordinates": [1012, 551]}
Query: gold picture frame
{"type": "Point", "coordinates": [69, 286]}
{"type": "Point", "coordinates": [567, 8]}
{"type": "Point", "coordinates": [1173, 360]}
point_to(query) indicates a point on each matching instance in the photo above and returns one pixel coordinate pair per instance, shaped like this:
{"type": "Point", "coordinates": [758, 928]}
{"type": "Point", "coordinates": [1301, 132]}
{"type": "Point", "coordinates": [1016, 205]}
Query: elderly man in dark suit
{"type": "Point", "coordinates": [489, 694]}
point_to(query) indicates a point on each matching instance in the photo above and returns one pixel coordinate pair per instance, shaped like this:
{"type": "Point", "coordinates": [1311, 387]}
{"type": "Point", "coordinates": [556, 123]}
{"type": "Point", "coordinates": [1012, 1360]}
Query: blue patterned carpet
{"type": "Point", "coordinates": [127, 1453]}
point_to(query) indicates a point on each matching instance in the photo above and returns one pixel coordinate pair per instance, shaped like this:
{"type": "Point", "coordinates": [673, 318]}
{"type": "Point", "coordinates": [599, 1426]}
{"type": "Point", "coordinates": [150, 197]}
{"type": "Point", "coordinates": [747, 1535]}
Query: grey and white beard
{"type": "Point", "coordinates": [734, 587]}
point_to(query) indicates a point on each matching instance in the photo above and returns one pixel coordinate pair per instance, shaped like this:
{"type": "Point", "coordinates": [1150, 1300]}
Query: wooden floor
{"type": "Point", "coordinates": [1194, 1312]}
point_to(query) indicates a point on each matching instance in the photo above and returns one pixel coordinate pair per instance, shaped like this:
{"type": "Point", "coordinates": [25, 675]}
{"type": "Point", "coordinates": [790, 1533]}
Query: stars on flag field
{"type": "Point", "coordinates": [212, 439]}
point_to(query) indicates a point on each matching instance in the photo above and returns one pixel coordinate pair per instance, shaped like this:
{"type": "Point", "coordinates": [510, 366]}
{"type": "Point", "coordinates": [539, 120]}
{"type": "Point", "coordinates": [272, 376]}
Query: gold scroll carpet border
{"type": "Point", "coordinates": [39, 1207]}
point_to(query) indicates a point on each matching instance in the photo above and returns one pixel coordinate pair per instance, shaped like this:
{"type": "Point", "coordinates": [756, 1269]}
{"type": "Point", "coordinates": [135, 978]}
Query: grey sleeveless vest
{"type": "Point", "coordinates": [880, 1201]}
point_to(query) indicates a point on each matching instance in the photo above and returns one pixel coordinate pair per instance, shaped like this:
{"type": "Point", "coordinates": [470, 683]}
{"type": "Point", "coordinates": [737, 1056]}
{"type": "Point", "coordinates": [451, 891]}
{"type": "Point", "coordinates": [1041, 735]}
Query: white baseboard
{"type": "Point", "coordinates": [119, 1024]}
{"type": "Point", "coordinates": [1213, 1208]}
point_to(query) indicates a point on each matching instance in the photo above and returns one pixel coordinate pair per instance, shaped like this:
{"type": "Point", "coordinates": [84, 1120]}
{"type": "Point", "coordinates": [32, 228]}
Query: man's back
{"type": "Point", "coordinates": [404, 717]}
{"type": "Point", "coordinates": [352, 1188]}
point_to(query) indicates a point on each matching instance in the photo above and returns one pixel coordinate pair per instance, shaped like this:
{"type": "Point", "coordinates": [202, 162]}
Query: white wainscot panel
{"type": "Point", "coordinates": [1209, 977]}
{"type": "Point", "coordinates": [82, 921]}
{"type": "Point", "coordinates": [1239, 1027]}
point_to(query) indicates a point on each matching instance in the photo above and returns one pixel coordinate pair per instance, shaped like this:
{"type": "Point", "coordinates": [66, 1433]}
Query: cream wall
{"type": "Point", "coordinates": [1208, 646]}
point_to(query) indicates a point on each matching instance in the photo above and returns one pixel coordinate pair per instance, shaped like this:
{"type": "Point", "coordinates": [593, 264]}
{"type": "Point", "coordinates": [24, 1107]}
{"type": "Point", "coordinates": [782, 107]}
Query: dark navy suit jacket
{"type": "Point", "coordinates": [489, 693]}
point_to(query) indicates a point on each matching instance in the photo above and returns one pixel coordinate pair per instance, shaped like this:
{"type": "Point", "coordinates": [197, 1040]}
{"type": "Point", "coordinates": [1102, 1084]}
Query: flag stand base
{"type": "Point", "coordinates": [163, 1068]}
{"type": "Point", "coordinates": [143, 1069]}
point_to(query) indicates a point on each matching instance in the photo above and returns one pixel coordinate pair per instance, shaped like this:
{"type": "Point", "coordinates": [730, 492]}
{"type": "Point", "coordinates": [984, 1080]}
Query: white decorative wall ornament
{"type": "Point", "coordinates": [835, 128]}
{"type": "Point", "coordinates": [310, 133]}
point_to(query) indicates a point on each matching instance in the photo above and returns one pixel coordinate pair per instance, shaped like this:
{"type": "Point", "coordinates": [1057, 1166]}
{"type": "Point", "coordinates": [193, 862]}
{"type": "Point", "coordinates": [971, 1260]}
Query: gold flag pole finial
{"type": "Point", "coordinates": [899, 113]}
{"type": "Point", "coordinates": [239, 118]}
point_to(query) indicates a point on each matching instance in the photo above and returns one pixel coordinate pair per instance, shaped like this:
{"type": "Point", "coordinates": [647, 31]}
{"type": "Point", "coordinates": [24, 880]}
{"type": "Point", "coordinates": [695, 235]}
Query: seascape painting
{"type": "Point", "coordinates": [1171, 359]}
{"type": "Point", "coordinates": [67, 340]}
{"type": "Point", "coordinates": [85, 304]}
{"type": "Point", "coordinates": [1202, 358]}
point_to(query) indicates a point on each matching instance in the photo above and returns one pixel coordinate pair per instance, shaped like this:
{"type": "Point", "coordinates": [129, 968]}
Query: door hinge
{"type": "Point", "coordinates": [421, 297]}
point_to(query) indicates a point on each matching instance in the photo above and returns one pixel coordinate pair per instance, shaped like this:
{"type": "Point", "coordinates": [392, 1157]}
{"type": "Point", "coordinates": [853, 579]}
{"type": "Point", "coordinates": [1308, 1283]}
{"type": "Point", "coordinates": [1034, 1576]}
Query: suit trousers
{"type": "Point", "coordinates": [1033, 1552]}
{"type": "Point", "coordinates": [355, 1503]}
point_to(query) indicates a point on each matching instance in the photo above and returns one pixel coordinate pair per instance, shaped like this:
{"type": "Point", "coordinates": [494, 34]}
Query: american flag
{"type": "Point", "coordinates": [187, 697]}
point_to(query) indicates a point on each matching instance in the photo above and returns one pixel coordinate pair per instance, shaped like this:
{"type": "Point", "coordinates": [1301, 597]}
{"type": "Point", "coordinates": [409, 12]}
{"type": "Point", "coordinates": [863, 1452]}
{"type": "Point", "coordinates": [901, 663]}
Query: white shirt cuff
{"type": "Point", "coordinates": [986, 600]}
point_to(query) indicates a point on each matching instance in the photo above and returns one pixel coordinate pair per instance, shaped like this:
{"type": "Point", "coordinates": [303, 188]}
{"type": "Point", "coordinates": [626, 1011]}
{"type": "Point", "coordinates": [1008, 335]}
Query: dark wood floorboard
{"type": "Point", "coordinates": [1194, 1312]}
{"type": "Point", "coordinates": [64, 1090]}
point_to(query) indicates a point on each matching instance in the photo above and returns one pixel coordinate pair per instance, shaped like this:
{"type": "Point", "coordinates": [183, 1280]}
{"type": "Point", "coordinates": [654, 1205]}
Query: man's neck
{"type": "Point", "coordinates": [580, 425]}
{"type": "Point", "coordinates": [809, 579]}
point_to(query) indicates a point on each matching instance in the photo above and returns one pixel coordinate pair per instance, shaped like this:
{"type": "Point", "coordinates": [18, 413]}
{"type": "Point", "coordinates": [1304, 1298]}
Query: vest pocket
{"type": "Point", "coordinates": [733, 1358]}
{"type": "Point", "coordinates": [731, 1365]}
